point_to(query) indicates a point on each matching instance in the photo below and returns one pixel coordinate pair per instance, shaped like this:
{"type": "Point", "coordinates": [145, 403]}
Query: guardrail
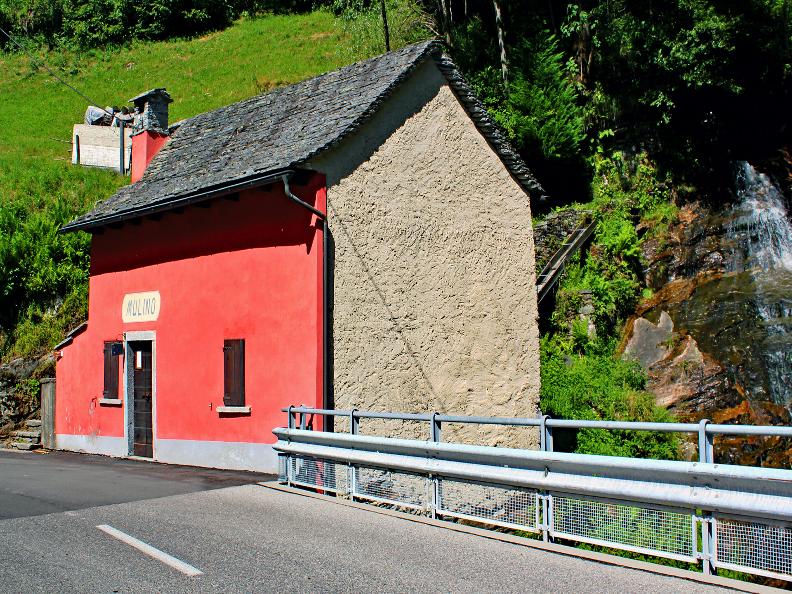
{"type": "Point", "coordinates": [705, 429]}
{"type": "Point", "coordinates": [720, 516]}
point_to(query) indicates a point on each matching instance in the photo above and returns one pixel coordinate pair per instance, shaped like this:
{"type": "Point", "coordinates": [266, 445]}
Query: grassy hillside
{"type": "Point", "coordinates": [40, 189]}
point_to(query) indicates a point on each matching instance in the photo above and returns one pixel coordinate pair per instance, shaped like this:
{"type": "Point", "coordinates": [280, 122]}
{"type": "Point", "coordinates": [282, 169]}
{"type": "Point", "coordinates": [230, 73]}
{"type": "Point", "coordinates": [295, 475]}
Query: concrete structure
{"type": "Point", "coordinates": [101, 146]}
{"type": "Point", "coordinates": [367, 233]}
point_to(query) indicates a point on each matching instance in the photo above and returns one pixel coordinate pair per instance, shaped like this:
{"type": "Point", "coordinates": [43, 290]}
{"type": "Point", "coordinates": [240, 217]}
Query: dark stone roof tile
{"type": "Point", "coordinates": [281, 130]}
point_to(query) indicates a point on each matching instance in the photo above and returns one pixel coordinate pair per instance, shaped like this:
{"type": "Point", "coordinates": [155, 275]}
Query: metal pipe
{"type": "Point", "coordinates": [624, 425]}
{"type": "Point", "coordinates": [319, 411]}
{"type": "Point", "coordinates": [395, 416]}
{"type": "Point", "coordinates": [516, 421]}
{"type": "Point", "coordinates": [298, 200]}
{"type": "Point", "coordinates": [121, 167]}
{"type": "Point", "coordinates": [326, 397]}
{"type": "Point", "coordinates": [764, 430]}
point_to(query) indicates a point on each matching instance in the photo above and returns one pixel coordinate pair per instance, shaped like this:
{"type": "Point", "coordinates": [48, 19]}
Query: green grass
{"type": "Point", "coordinates": [39, 188]}
{"type": "Point", "coordinates": [249, 58]}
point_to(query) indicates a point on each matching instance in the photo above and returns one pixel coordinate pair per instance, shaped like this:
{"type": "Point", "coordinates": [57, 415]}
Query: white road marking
{"type": "Point", "coordinates": [147, 549]}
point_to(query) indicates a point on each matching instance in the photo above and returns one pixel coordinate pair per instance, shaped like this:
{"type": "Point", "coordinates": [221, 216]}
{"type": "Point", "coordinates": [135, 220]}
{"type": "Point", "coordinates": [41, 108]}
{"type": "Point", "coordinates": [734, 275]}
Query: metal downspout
{"type": "Point", "coordinates": [325, 297]}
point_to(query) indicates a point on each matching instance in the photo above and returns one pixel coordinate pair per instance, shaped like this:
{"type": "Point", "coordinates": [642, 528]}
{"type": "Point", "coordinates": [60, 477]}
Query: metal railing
{"type": "Point", "coordinates": [719, 516]}
{"type": "Point", "coordinates": [704, 429]}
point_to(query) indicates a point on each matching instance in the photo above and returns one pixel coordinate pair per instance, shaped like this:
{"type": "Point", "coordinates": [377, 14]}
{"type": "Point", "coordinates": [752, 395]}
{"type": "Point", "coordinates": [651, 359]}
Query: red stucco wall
{"type": "Point", "coordinates": [250, 268]}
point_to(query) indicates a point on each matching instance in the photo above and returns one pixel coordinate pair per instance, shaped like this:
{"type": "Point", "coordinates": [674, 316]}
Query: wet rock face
{"type": "Point", "coordinates": [649, 342]}
{"type": "Point", "coordinates": [723, 276]}
{"type": "Point", "coordinates": [694, 386]}
{"type": "Point", "coordinates": [682, 377]}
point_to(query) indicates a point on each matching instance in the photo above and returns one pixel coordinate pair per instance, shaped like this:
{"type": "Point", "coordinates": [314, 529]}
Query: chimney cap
{"type": "Point", "coordinates": [157, 93]}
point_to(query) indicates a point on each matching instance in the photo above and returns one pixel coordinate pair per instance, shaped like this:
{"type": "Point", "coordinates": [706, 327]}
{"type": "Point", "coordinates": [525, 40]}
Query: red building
{"type": "Point", "coordinates": [210, 275]}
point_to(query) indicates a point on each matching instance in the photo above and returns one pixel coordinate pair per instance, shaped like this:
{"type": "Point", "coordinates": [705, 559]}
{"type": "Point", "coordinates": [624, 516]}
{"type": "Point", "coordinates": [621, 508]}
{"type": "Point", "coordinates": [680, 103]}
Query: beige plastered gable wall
{"type": "Point", "coordinates": [434, 296]}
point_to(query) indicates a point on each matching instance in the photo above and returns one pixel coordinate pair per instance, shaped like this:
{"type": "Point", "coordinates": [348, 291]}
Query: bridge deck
{"type": "Point", "coordinates": [253, 538]}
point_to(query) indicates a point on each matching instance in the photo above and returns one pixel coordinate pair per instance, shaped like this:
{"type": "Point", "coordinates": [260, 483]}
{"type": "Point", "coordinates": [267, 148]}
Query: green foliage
{"type": "Point", "coordinates": [41, 329]}
{"type": "Point", "coordinates": [95, 23]}
{"type": "Point", "coordinates": [43, 274]}
{"type": "Point", "coordinates": [594, 384]}
{"type": "Point", "coordinates": [540, 113]}
{"type": "Point", "coordinates": [627, 192]}
{"type": "Point", "coordinates": [38, 265]}
{"type": "Point", "coordinates": [362, 23]}
{"type": "Point", "coordinates": [699, 79]}
{"type": "Point", "coordinates": [582, 377]}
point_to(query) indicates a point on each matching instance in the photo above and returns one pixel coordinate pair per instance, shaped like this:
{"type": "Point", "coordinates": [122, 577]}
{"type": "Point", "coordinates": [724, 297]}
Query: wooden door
{"type": "Point", "coordinates": [142, 401]}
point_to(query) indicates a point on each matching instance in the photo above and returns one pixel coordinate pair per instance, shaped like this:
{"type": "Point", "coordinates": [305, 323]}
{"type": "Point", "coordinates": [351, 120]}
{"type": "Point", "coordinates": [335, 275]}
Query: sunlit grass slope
{"type": "Point", "coordinates": [40, 190]}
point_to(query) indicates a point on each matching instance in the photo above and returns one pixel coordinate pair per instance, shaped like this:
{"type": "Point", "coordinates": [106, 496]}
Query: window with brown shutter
{"type": "Point", "coordinates": [111, 370]}
{"type": "Point", "coordinates": [234, 372]}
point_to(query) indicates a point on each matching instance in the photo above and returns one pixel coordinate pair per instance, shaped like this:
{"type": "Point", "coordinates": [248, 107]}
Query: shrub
{"type": "Point", "coordinates": [594, 384]}
{"type": "Point", "coordinates": [540, 110]}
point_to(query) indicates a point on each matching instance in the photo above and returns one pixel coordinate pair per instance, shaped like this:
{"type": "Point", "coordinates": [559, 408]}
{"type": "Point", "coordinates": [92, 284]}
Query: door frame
{"type": "Point", "coordinates": [129, 399]}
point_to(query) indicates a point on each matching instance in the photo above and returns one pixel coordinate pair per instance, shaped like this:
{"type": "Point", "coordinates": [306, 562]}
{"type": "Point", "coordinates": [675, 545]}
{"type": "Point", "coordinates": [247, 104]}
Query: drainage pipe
{"type": "Point", "coordinates": [326, 400]}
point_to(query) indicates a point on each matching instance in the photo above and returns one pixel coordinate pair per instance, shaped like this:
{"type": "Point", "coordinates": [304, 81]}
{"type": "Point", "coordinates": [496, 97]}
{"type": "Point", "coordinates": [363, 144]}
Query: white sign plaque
{"type": "Point", "coordinates": [140, 307]}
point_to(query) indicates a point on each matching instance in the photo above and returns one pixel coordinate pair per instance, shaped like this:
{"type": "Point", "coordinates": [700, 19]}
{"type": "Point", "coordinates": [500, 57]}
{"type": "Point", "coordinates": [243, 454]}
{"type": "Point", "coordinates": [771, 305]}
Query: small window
{"type": "Point", "coordinates": [234, 372]}
{"type": "Point", "coordinates": [112, 350]}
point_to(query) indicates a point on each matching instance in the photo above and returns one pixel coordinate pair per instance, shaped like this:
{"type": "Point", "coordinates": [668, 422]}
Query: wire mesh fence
{"type": "Point", "coordinates": [754, 547]}
{"type": "Point", "coordinates": [747, 545]}
{"type": "Point", "coordinates": [391, 486]}
{"type": "Point", "coordinates": [317, 473]}
{"type": "Point", "coordinates": [636, 528]}
{"type": "Point", "coordinates": [491, 504]}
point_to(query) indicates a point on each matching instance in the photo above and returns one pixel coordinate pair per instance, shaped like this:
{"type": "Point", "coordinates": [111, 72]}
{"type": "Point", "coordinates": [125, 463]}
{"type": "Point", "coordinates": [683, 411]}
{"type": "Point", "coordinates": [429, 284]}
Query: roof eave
{"type": "Point", "coordinates": [181, 201]}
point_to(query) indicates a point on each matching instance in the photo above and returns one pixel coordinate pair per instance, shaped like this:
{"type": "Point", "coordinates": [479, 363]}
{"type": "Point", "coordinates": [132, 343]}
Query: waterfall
{"type": "Point", "coordinates": [761, 232]}
{"type": "Point", "coordinates": [762, 216]}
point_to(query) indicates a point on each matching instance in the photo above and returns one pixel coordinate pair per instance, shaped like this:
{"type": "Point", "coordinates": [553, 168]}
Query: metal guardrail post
{"type": "Point", "coordinates": [707, 543]}
{"type": "Point", "coordinates": [436, 427]}
{"type": "Point", "coordinates": [545, 435]}
{"type": "Point", "coordinates": [706, 443]}
{"type": "Point", "coordinates": [546, 445]}
{"type": "Point", "coordinates": [77, 148]}
{"type": "Point", "coordinates": [354, 427]}
{"type": "Point", "coordinates": [434, 482]}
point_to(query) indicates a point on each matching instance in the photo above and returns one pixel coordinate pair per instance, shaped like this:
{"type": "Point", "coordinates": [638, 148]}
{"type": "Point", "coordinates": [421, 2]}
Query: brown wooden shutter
{"type": "Point", "coordinates": [234, 372]}
{"type": "Point", "coordinates": [110, 372]}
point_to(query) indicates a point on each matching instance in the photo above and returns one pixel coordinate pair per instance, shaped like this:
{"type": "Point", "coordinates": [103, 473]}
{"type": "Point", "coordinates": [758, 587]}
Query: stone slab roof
{"type": "Point", "coordinates": [281, 130]}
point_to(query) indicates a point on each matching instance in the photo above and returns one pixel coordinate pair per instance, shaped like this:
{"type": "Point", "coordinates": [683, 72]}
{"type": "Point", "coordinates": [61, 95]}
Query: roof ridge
{"type": "Point", "coordinates": [486, 125]}
{"type": "Point", "coordinates": [430, 47]}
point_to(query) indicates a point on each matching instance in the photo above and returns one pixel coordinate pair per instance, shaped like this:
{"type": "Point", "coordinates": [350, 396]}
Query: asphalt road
{"type": "Point", "coordinates": [250, 538]}
{"type": "Point", "coordinates": [33, 483]}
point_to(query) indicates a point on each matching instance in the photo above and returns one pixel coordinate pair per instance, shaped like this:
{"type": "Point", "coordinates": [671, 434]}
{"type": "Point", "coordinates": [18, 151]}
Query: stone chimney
{"type": "Point", "coordinates": [149, 129]}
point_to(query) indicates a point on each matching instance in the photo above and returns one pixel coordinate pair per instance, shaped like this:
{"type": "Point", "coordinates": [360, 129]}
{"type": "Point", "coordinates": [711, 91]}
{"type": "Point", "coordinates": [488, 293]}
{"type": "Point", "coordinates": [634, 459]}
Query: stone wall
{"type": "Point", "coordinates": [434, 303]}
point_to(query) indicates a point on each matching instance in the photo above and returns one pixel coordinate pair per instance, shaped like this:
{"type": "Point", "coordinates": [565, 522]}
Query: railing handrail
{"type": "Point", "coordinates": [709, 428]}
